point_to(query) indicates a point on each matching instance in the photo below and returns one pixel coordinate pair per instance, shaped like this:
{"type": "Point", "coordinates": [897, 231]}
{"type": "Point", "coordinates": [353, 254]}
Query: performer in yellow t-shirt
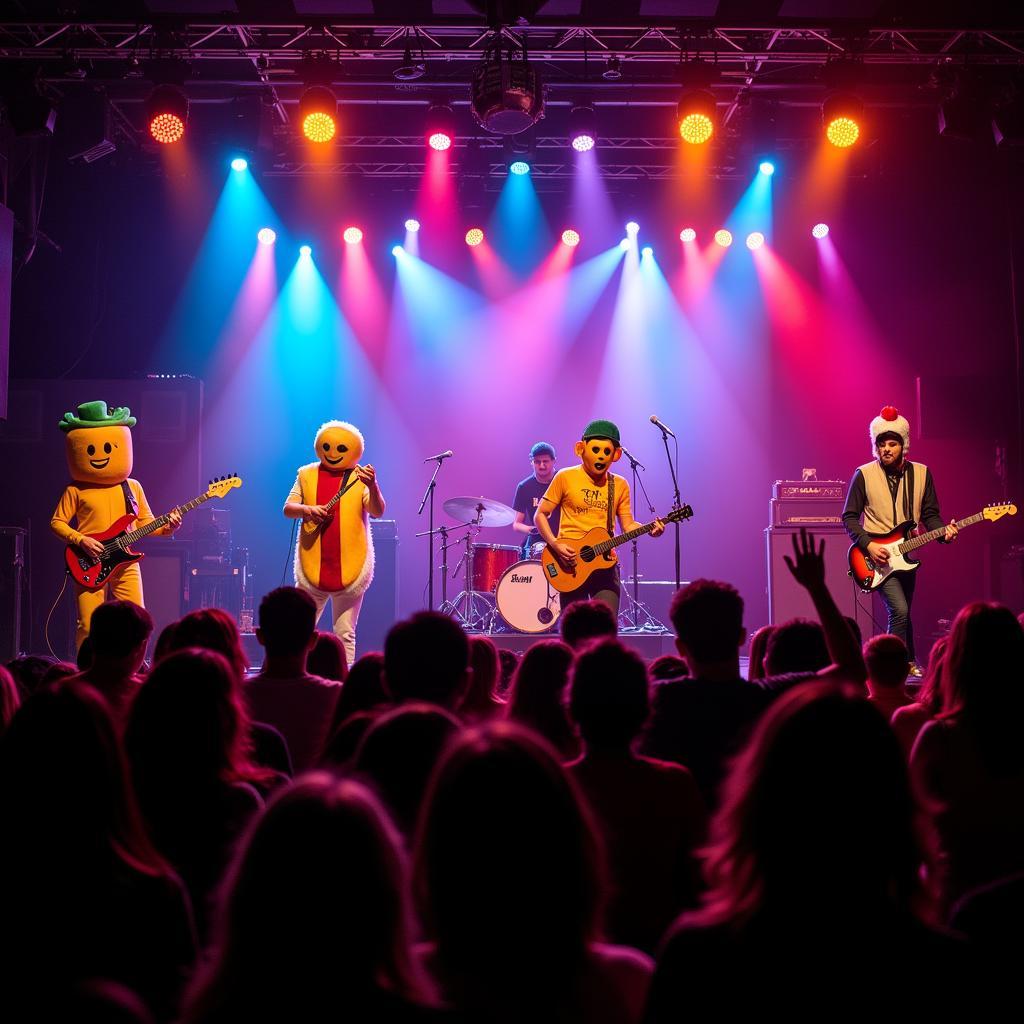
{"type": "Point", "coordinates": [581, 493]}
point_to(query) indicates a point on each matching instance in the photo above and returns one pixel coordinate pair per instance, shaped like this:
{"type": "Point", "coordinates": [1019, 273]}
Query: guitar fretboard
{"type": "Point", "coordinates": [927, 538]}
{"type": "Point", "coordinates": [144, 531]}
{"type": "Point", "coordinates": [675, 516]}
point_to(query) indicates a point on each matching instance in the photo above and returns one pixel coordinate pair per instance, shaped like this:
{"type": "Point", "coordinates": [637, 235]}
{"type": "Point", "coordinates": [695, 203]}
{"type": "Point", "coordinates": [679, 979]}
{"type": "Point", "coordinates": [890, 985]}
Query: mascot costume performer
{"type": "Point", "coordinates": [98, 445]}
{"type": "Point", "coordinates": [334, 556]}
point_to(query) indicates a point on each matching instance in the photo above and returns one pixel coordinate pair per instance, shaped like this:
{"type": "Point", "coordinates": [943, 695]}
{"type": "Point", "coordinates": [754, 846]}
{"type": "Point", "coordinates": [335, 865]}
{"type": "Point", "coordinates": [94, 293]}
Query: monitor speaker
{"type": "Point", "coordinates": [164, 572]}
{"type": "Point", "coordinates": [788, 600]}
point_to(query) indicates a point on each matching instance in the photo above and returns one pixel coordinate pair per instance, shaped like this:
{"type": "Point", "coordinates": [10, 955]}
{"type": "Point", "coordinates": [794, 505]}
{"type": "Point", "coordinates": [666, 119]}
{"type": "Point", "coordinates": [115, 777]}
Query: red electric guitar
{"type": "Point", "coordinates": [870, 575]}
{"type": "Point", "coordinates": [93, 573]}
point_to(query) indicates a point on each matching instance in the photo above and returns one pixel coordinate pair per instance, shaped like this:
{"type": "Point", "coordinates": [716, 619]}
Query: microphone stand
{"type": "Point", "coordinates": [677, 502]}
{"type": "Point", "coordinates": [428, 494]}
{"type": "Point", "coordinates": [652, 622]}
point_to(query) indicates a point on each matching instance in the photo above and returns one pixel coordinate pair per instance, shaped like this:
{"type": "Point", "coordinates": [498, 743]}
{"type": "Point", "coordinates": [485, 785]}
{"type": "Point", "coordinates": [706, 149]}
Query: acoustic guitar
{"type": "Point", "coordinates": [596, 551]}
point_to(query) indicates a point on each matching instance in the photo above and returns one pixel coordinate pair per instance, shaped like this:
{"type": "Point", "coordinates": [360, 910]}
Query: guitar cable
{"type": "Point", "coordinates": [49, 615]}
{"type": "Point", "coordinates": [289, 556]}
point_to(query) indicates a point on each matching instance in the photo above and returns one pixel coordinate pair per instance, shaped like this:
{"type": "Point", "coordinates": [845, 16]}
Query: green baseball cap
{"type": "Point", "coordinates": [602, 428]}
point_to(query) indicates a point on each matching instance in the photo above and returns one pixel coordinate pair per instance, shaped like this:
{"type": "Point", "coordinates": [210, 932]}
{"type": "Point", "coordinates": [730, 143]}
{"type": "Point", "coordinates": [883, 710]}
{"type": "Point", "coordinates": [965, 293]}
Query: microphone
{"type": "Point", "coordinates": [629, 455]}
{"type": "Point", "coordinates": [443, 455]}
{"type": "Point", "coordinates": [661, 426]}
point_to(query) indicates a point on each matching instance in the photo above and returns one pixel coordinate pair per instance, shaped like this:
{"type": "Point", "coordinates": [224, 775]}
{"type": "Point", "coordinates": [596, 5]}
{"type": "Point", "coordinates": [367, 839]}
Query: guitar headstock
{"type": "Point", "coordinates": [677, 515]}
{"type": "Point", "coordinates": [220, 486]}
{"type": "Point", "coordinates": [997, 511]}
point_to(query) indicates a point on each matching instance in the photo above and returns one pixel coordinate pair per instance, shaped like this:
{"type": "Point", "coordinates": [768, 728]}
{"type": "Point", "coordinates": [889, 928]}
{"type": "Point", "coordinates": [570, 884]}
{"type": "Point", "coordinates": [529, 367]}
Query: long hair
{"type": "Point", "coordinates": [930, 694]}
{"type": "Point", "coordinates": [537, 697]}
{"type": "Point", "coordinates": [315, 911]}
{"type": "Point", "coordinates": [189, 720]}
{"type": "Point", "coordinates": [65, 793]}
{"type": "Point", "coordinates": [213, 630]}
{"type": "Point", "coordinates": [817, 814]}
{"type": "Point", "coordinates": [508, 869]}
{"type": "Point", "coordinates": [480, 700]}
{"type": "Point", "coordinates": [981, 680]}
{"type": "Point", "coordinates": [9, 698]}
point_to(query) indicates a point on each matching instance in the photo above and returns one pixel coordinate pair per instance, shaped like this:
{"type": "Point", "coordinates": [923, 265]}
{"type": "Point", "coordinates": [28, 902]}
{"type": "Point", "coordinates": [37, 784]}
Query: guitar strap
{"type": "Point", "coordinates": [611, 503]}
{"type": "Point", "coordinates": [129, 500]}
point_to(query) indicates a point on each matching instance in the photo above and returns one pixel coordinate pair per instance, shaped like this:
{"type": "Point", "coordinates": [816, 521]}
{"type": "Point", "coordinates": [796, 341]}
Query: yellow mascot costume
{"type": "Point", "coordinates": [98, 445]}
{"type": "Point", "coordinates": [334, 556]}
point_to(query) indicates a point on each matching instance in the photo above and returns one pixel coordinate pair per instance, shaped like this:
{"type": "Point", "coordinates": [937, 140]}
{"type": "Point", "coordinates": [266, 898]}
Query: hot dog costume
{"type": "Point", "coordinates": [335, 562]}
{"type": "Point", "coordinates": [98, 445]}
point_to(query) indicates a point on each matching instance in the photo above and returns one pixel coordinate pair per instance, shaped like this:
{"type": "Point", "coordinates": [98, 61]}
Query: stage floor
{"type": "Point", "coordinates": [648, 645]}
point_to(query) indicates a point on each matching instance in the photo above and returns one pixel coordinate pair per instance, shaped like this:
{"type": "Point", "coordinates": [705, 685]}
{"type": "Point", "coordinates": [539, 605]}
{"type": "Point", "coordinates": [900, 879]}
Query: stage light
{"type": "Point", "coordinates": [841, 115]}
{"type": "Point", "coordinates": [582, 134]}
{"type": "Point", "coordinates": [519, 167]}
{"type": "Point", "coordinates": [239, 163]}
{"type": "Point", "coordinates": [819, 230]}
{"type": "Point", "coordinates": [266, 236]}
{"type": "Point", "coordinates": [305, 250]}
{"type": "Point", "coordinates": [755, 240]}
{"type": "Point", "coordinates": [412, 225]}
{"type": "Point", "coordinates": [696, 115]}
{"type": "Point", "coordinates": [767, 168]}
{"type": "Point", "coordinates": [647, 251]}
{"type": "Point", "coordinates": [352, 235]}
{"type": "Point", "coordinates": [167, 114]}
{"type": "Point", "coordinates": [624, 244]}
{"type": "Point", "coordinates": [632, 228]}
{"type": "Point", "coordinates": [688, 235]}
{"type": "Point", "coordinates": [440, 127]}
{"type": "Point", "coordinates": [318, 114]}
{"type": "Point", "coordinates": [474, 236]}
{"type": "Point", "coordinates": [396, 249]}
{"type": "Point", "coordinates": [570, 238]}
{"type": "Point", "coordinates": [723, 238]}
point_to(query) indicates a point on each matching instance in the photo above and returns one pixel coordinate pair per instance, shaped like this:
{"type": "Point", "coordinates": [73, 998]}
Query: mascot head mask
{"type": "Point", "coordinates": [98, 443]}
{"type": "Point", "coordinates": [339, 446]}
{"type": "Point", "coordinates": [600, 447]}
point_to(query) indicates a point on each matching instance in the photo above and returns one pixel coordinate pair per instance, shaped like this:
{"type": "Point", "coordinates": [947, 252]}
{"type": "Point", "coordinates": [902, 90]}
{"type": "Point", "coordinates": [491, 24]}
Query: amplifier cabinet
{"type": "Point", "coordinates": [809, 489]}
{"type": "Point", "coordinates": [806, 512]}
{"type": "Point", "coordinates": [786, 598]}
{"type": "Point", "coordinates": [12, 581]}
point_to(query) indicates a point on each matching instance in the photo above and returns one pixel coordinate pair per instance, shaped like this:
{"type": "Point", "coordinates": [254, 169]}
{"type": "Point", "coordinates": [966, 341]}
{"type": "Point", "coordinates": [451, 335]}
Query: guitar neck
{"type": "Point", "coordinates": [341, 493]}
{"type": "Point", "coordinates": [927, 538]}
{"type": "Point", "coordinates": [622, 538]}
{"type": "Point", "coordinates": [161, 521]}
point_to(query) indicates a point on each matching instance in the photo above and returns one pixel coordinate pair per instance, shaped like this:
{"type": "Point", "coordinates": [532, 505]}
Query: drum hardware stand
{"type": "Point", "coordinates": [428, 494]}
{"type": "Point", "coordinates": [469, 614]}
{"type": "Point", "coordinates": [635, 616]}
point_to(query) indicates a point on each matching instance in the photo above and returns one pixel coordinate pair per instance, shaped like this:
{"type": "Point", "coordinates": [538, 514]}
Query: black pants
{"type": "Point", "coordinates": [603, 585]}
{"type": "Point", "coordinates": [898, 594]}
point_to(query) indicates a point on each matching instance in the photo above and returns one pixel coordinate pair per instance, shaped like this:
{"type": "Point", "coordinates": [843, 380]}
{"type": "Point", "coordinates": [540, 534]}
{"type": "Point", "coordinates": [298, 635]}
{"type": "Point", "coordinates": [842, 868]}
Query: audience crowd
{"type": "Point", "coordinates": [443, 832]}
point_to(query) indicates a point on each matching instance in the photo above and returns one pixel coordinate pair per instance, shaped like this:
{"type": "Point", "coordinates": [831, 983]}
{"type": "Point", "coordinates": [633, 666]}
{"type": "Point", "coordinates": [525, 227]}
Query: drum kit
{"type": "Point", "coordinates": [503, 589]}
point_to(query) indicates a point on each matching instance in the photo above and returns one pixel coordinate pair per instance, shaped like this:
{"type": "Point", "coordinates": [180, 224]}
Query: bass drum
{"type": "Point", "coordinates": [524, 599]}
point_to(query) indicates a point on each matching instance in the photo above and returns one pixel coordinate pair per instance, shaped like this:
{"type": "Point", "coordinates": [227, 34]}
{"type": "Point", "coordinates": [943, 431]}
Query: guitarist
{"type": "Point", "coordinates": [588, 496]}
{"type": "Point", "coordinates": [883, 494]}
{"type": "Point", "coordinates": [98, 445]}
{"type": "Point", "coordinates": [335, 562]}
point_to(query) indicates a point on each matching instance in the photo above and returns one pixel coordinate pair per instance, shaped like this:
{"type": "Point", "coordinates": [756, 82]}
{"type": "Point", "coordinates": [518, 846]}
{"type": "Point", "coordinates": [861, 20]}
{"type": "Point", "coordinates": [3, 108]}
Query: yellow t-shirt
{"type": "Point", "coordinates": [95, 507]}
{"type": "Point", "coordinates": [583, 504]}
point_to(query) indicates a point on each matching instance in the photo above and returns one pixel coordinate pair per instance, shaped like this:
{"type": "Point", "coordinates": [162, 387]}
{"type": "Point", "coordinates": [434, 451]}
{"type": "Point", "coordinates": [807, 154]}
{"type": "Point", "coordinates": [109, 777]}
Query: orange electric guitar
{"type": "Point", "coordinates": [117, 539]}
{"type": "Point", "coordinates": [596, 551]}
{"type": "Point", "coordinates": [870, 575]}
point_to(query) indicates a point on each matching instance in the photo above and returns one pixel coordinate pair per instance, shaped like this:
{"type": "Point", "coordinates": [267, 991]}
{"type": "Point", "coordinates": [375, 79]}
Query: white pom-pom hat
{"type": "Point", "coordinates": [889, 421]}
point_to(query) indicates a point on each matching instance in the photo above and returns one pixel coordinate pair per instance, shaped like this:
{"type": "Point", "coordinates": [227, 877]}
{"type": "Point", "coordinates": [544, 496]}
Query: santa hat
{"type": "Point", "coordinates": [889, 421]}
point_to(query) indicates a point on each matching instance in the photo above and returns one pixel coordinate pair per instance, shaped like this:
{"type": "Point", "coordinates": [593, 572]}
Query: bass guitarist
{"type": "Point", "coordinates": [883, 494]}
{"type": "Point", "coordinates": [98, 446]}
{"type": "Point", "coordinates": [589, 496]}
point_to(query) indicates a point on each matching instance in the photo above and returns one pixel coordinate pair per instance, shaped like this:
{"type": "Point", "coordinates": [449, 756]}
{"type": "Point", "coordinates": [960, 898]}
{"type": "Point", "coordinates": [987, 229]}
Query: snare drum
{"type": "Point", "coordinates": [489, 562]}
{"type": "Point", "coordinates": [525, 600]}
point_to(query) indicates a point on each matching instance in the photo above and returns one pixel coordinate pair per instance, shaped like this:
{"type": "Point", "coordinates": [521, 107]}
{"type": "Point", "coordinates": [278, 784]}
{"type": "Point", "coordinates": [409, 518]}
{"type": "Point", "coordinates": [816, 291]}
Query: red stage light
{"type": "Point", "coordinates": [318, 113]}
{"type": "Point", "coordinates": [167, 114]}
{"type": "Point", "coordinates": [570, 238]}
{"type": "Point", "coordinates": [352, 235]}
{"type": "Point", "coordinates": [474, 236]}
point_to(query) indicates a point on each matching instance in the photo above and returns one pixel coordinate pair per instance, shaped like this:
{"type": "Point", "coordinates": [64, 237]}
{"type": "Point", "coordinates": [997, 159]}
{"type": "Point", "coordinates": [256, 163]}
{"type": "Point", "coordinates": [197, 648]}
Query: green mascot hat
{"type": "Point", "coordinates": [94, 414]}
{"type": "Point", "coordinates": [602, 428]}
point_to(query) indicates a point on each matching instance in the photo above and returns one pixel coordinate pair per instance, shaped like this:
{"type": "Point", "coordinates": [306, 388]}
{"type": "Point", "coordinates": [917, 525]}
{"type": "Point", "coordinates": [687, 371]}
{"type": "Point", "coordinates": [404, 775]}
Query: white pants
{"type": "Point", "coordinates": [344, 611]}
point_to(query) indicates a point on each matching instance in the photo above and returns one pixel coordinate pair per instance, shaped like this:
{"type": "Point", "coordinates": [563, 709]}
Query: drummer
{"type": "Point", "coordinates": [528, 495]}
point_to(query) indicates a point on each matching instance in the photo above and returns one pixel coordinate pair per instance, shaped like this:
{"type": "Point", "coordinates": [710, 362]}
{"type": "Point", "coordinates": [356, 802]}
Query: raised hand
{"type": "Point", "coordinates": [808, 562]}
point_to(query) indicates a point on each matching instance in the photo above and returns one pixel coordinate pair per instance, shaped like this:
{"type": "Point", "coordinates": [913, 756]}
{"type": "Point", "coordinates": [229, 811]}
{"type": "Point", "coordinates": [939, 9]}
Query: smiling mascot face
{"type": "Point", "coordinates": [338, 446]}
{"type": "Point", "coordinates": [99, 455]}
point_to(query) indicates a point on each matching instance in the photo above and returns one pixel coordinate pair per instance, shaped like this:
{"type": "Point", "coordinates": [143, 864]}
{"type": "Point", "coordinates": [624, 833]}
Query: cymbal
{"type": "Point", "coordinates": [484, 511]}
